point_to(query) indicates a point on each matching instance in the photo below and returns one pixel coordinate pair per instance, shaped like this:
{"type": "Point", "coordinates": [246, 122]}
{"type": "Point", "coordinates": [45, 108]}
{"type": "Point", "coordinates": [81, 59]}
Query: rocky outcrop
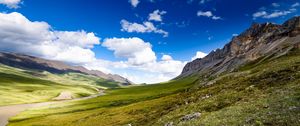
{"type": "Point", "coordinates": [259, 40]}
{"type": "Point", "coordinates": [35, 63]}
{"type": "Point", "coordinates": [191, 116]}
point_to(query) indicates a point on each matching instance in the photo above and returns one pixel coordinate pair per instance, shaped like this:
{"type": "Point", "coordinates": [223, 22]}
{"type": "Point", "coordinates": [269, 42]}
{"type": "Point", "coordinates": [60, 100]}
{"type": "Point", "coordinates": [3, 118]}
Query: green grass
{"type": "Point", "coordinates": [264, 93]}
{"type": "Point", "coordinates": [19, 86]}
{"type": "Point", "coordinates": [116, 98]}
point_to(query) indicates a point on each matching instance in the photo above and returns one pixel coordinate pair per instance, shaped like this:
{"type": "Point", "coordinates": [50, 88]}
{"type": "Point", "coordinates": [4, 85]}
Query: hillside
{"type": "Point", "coordinates": [253, 80]}
{"type": "Point", "coordinates": [27, 79]}
{"type": "Point", "coordinates": [259, 41]}
{"type": "Point", "coordinates": [19, 86]}
{"type": "Point", "coordinates": [56, 67]}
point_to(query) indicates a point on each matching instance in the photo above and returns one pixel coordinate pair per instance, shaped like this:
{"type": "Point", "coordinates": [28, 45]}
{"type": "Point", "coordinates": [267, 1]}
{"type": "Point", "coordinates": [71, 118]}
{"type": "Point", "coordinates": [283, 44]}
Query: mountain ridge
{"type": "Point", "coordinates": [31, 62]}
{"type": "Point", "coordinates": [260, 40]}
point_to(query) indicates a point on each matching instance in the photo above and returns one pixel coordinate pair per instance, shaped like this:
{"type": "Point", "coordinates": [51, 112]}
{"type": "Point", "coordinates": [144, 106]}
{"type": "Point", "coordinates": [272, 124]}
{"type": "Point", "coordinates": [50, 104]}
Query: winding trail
{"type": "Point", "coordinates": [12, 110]}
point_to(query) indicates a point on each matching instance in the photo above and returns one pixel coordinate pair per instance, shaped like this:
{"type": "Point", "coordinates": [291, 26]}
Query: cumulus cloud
{"type": "Point", "coordinates": [154, 72]}
{"type": "Point", "coordinates": [11, 3]}
{"type": "Point", "coordinates": [156, 15]}
{"type": "Point", "coordinates": [18, 34]}
{"type": "Point", "coordinates": [208, 14]}
{"type": "Point", "coordinates": [166, 58]}
{"type": "Point", "coordinates": [134, 3]}
{"type": "Point", "coordinates": [199, 54]}
{"type": "Point", "coordinates": [134, 49]}
{"type": "Point", "coordinates": [37, 38]}
{"type": "Point", "coordinates": [146, 27]}
{"type": "Point", "coordinates": [141, 61]}
{"type": "Point", "coordinates": [163, 70]}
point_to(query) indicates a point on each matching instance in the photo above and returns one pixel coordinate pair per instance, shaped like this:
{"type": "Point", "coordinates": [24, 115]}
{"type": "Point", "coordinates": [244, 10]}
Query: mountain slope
{"type": "Point", "coordinates": [260, 40]}
{"type": "Point", "coordinates": [27, 79]}
{"type": "Point", "coordinates": [19, 86]}
{"type": "Point", "coordinates": [30, 62]}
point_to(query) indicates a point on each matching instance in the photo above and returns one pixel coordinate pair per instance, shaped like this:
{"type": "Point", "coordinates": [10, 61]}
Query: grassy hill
{"type": "Point", "coordinates": [264, 92]}
{"type": "Point", "coordinates": [19, 86]}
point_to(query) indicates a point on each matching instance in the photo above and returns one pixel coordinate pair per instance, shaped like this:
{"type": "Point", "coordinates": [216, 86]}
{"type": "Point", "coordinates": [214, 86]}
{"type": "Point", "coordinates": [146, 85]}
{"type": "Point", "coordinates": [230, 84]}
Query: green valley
{"type": "Point", "coordinates": [18, 86]}
{"type": "Point", "coordinates": [149, 63]}
{"type": "Point", "coordinates": [256, 95]}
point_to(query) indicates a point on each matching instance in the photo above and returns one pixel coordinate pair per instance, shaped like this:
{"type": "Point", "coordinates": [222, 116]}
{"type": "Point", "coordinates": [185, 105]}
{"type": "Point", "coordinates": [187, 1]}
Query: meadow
{"type": "Point", "coordinates": [263, 92]}
{"type": "Point", "coordinates": [19, 86]}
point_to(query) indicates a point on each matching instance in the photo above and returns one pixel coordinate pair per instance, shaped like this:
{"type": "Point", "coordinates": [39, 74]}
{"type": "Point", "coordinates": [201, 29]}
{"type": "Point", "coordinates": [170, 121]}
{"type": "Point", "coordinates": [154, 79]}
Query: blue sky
{"type": "Point", "coordinates": [178, 29]}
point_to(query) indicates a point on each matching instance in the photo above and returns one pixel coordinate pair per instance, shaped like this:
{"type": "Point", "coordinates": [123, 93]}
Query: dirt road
{"type": "Point", "coordinates": [12, 110]}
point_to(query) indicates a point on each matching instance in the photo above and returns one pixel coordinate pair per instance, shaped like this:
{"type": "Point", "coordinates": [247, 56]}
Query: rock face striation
{"type": "Point", "coordinates": [259, 41]}
{"type": "Point", "coordinates": [35, 63]}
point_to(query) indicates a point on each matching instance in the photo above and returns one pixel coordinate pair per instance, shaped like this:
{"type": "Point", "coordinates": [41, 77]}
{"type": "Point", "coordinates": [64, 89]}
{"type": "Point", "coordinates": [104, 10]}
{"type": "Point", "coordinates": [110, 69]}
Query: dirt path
{"type": "Point", "coordinates": [12, 110]}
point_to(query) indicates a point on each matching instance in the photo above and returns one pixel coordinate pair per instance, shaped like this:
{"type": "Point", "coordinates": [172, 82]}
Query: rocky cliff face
{"type": "Point", "coordinates": [30, 62]}
{"type": "Point", "coordinates": [260, 40]}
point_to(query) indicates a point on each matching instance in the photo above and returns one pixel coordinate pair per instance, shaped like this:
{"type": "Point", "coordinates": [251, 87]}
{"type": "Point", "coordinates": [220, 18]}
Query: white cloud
{"type": "Point", "coordinates": [11, 3]}
{"type": "Point", "coordinates": [234, 34]}
{"type": "Point", "coordinates": [275, 14]}
{"type": "Point", "coordinates": [204, 13]}
{"type": "Point", "coordinates": [199, 54]}
{"type": "Point", "coordinates": [216, 17]}
{"type": "Point", "coordinates": [267, 14]}
{"type": "Point", "coordinates": [259, 14]}
{"type": "Point", "coordinates": [134, 49]}
{"type": "Point", "coordinates": [141, 61]}
{"type": "Point", "coordinates": [134, 3]}
{"type": "Point", "coordinates": [296, 4]}
{"type": "Point", "coordinates": [275, 5]}
{"type": "Point", "coordinates": [76, 55]}
{"type": "Point", "coordinates": [166, 58]}
{"type": "Point", "coordinates": [208, 14]}
{"type": "Point", "coordinates": [18, 34]}
{"type": "Point", "coordinates": [146, 27]}
{"type": "Point", "coordinates": [156, 15]}
{"type": "Point", "coordinates": [158, 71]}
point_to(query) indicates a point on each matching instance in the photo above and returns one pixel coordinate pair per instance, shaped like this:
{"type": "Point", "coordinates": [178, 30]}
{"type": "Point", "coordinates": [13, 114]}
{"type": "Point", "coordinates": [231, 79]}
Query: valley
{"type": "Point", "coordinates": [68, 77]}
{"type": "Point", "coordinates": [249, 96]}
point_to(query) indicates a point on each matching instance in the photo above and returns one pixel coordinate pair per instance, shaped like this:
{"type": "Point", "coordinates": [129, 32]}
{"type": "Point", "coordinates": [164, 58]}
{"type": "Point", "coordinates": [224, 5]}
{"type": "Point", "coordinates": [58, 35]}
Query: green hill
{"type": "Point", "coordinates": [18, 86]}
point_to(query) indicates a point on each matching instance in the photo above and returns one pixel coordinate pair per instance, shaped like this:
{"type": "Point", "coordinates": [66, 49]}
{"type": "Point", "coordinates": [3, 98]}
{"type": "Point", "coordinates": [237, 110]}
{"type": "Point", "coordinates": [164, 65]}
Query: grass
{"type": "Point", "coordinates": [19, 86]}
{"type": "Point", "coordinates": [265, 93]}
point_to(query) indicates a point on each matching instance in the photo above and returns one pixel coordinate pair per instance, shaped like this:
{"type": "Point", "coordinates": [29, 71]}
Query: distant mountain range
{"type": "Point", "coordinates": [30, 62]}
{"type": "Point", "coordinates": [263, 41]}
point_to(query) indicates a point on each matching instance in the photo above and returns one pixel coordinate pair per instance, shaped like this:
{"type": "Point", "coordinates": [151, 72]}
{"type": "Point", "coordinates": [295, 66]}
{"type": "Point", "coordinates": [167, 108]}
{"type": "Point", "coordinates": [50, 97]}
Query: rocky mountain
{"type": "Point", "coordinates": [260, 41]}
{"type": "Point", "coordinates": [35, 63]}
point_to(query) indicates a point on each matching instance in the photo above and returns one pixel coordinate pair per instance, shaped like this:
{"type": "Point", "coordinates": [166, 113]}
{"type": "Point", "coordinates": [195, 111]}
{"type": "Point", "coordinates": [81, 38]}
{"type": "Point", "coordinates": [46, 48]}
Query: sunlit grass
{"type": "Point", "coordinates": [19, 86]}
{"type": "Point", "coordinates": [266, 93]}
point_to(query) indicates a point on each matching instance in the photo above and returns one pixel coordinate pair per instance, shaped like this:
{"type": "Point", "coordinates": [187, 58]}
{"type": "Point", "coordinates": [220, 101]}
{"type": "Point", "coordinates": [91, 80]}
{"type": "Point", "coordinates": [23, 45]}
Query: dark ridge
{"type": "Point", "coordinates": [257, 41]}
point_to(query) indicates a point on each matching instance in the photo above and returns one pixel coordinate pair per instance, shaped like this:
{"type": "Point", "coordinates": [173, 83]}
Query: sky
{"type": "Point", "coordinates": [146, 41]}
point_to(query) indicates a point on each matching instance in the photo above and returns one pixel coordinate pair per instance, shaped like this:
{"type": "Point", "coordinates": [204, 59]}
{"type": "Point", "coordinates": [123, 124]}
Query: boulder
{"type": "Point", "coordinates": [191, 116]}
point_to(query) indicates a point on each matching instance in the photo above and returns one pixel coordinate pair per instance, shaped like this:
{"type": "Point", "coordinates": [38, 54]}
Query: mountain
{"type": "Point", "coordinates": [263, 41]}
{"type": "Point", "coordinates": [35, 63]}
